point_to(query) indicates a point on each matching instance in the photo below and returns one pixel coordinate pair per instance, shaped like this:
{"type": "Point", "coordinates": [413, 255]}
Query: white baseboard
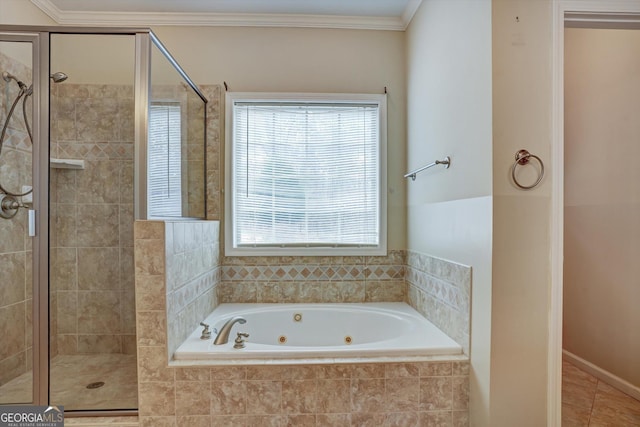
{"type": "Point", "coordinates": [601, 374]}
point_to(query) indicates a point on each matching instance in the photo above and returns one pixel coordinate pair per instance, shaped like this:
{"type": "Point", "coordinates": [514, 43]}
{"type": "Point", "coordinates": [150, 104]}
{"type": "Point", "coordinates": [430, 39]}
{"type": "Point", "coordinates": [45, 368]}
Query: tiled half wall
{"type": "Point", "coordinates": [441, 291]}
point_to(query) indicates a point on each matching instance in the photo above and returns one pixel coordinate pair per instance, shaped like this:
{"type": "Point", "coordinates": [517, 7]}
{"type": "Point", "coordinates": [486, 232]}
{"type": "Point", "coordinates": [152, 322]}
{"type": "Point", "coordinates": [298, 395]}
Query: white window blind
{"type": "Point", "coordinates": [306, 174]}
{"type": "Point", "coordinates": [165, 158]}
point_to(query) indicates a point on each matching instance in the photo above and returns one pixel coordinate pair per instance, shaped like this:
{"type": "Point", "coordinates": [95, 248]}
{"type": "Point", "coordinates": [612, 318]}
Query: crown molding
{"type": "Point", "coordinates": [228, 19]}
{"type": "Point", "coordinates": [409, 11]}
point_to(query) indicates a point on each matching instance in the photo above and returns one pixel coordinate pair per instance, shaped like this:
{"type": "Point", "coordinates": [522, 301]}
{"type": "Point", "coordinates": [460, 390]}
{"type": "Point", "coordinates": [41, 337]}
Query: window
{"type": "Point", "coordinates": [165, 160]}
{"type": "Point", "coordinates": [305, 174]}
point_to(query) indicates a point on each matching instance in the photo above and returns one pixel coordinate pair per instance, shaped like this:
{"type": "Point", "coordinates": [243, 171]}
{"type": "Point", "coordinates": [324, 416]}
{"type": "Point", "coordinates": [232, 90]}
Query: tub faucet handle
{"type": "Point", "coordinates": [239, 342]}
{"type": "Point", "coordinates": [206, 333]}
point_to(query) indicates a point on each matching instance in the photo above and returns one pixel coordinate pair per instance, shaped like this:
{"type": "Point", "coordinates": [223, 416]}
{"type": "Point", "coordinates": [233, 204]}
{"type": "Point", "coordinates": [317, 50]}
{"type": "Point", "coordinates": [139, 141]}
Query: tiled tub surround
{"type": "Point", "coordinates": [192, 275]}
{"type": "Point", "coordinates": [441, 291]}
{"type": "Point", "coordinates": [92, 287]}
{"type": "Point", "coordinates": [424, 393]}
{"type": "Point", "coordinates": [15, 247]}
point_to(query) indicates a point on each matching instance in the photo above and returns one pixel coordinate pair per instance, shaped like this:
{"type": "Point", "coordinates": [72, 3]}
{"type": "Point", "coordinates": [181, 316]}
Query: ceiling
{"type": "Point", "coordinates": [357, 14]}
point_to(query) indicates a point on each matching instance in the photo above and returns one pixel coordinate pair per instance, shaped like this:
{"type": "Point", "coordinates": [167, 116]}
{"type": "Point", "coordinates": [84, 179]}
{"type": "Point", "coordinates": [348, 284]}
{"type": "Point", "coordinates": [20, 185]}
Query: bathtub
{"type": "Point", "coordinates": [308, 331]}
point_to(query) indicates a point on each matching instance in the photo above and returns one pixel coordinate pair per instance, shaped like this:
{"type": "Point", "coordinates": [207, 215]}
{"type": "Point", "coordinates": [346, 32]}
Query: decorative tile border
{"type": "Point", "coordinates": [234, 273]}
{"type": "Point", "coordinates": [95, 150]}
{"type": "Point", "coordinates": [313, 279]}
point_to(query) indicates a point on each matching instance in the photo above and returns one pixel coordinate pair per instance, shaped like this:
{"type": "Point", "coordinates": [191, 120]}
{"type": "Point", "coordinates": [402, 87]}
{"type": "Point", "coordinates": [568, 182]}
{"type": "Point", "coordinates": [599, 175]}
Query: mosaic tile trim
{"type": "Point", "coordinates": [313, 279]}
{"type": "Point", "coordinates": [314, 268]}
{"type": "Point", "coordinates": [95, 151]}
{"type": "Point", "coordinates": [293, 272]}
{"type": "Point", "coordinates": [356, 291]}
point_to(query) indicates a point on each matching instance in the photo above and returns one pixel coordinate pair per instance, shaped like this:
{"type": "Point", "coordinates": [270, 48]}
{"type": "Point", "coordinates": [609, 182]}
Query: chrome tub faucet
{"type": "Point", "coordinates": [223, 335]}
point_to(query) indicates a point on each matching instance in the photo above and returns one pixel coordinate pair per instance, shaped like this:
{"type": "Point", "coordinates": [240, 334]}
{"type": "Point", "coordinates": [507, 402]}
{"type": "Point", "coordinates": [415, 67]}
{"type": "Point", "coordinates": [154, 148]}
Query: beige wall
{"type": "Point", "coordinates": [307, 60]}
{"type": "Point", "coordinates": [449, 113]}
{"type": "Point", "coordinates": [289, 60]}
{"type": "Point", "coordinates": [602, 201]}
{"type": "Point", "coordinates": [522, 87]}
{"type": "Point", "coordinates": [94, 59]}
{"type": "Point", "coordinates": [21, 12]}
{"type": "Point", "coordinates": [505, 238]}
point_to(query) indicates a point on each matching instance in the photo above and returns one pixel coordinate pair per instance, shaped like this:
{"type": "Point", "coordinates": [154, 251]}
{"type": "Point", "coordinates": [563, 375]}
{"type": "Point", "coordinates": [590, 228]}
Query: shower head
{"type": "Point", "coordinates": [58, 77]}
{"type": "Point", "coordinates": [8, 77]}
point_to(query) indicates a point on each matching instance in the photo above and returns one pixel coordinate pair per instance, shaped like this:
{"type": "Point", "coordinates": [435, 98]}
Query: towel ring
{"type": "Point", "coordinates": [522, 158]}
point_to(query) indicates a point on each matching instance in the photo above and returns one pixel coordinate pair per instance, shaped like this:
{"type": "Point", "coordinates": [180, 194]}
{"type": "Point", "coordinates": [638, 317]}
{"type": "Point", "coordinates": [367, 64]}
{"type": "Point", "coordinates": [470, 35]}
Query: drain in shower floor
{"type": "Point", "coordinates": [97, 384]}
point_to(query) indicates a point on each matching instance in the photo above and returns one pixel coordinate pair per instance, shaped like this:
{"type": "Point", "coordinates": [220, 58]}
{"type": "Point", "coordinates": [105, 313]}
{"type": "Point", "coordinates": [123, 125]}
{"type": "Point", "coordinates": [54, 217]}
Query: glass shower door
{"type": "Point", "coordinates": [16, 283]}
{"type": "Point", "coordinates": [92, 305]}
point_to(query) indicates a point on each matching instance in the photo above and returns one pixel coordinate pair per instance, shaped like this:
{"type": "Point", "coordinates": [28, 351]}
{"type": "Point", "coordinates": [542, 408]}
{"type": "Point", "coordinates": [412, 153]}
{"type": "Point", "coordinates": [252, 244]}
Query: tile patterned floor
{"type": "Point", "coordinates": [70, 376]}
{"type": "Point", "coordinates": [589, 402]}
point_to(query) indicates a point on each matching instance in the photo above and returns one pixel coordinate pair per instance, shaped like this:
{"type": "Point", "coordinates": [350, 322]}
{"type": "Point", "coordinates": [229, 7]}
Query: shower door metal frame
{"type": "Point", "coordinates": [145, 41]}
{"type": "Point", "coordinates": [40, 183]}
{"type": "Point", "coordinates": [40, 37]}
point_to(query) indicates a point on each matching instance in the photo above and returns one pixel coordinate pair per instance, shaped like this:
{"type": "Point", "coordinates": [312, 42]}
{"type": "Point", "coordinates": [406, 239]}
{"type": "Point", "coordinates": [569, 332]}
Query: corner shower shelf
{"type": "Point", "coordinates": [66, 163]}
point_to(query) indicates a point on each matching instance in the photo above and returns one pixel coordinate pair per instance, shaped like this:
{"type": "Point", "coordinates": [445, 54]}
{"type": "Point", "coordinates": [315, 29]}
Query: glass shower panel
{"type": "Point", "coordinates": [92, 308]}
{"type": "Point", "coordinates": [16, 285]}
{"type": "Point", "coordinates": [176, 144]}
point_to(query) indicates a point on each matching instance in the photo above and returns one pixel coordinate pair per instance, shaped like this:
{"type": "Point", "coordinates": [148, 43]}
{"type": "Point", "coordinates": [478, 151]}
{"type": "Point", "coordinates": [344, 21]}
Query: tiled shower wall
{"type": "Point", "coordinates": [213, 151]}
{"type": "Point", "coordinates": [421, 393]}
{"type": "Point", "coordinates": [92, 277]}
{"type": "Point", "coordinates": [15, 247]}
{"type": "Point", "coordinates": [194, 160]}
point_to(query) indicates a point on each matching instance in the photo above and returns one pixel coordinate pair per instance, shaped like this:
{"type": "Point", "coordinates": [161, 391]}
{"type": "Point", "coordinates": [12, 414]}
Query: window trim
{"type": "Point", "coordinates": [336, 98]}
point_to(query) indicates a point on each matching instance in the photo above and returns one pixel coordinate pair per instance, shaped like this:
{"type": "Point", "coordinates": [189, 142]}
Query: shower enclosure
{"type": "Point", "coordinates": [100, 127]}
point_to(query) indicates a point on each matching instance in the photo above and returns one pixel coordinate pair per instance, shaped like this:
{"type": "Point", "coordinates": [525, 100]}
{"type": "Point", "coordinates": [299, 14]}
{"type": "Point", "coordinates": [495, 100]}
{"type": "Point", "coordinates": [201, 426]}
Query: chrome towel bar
{"type": "Point", "coordinates": [446, 162]}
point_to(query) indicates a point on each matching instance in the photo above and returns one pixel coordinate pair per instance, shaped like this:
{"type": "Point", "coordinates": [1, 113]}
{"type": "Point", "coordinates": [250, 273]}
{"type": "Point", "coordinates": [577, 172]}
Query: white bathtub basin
{"type": "Point", "coordinates": [322, 331]}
